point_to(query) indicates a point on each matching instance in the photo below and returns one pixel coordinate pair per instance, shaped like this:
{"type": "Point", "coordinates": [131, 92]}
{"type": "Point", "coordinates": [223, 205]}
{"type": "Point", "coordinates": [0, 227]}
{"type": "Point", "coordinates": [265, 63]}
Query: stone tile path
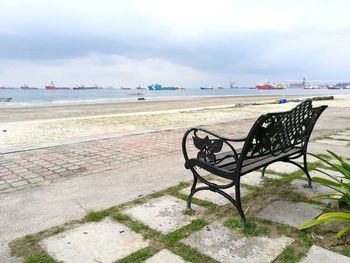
{"type": "Point", "coordinates": [334, 142]}
{"type": "Point", "coordinates": [255, 178]}
{"type": "Point", "coordinates": [317, 255]}
{"type": "Point", "coordinates": [227, 246]}
{"type": "Point", "coordinates": [282, 167]}
{"type": "Point", "coordinates": [289, 213]}
{"type": "Point", "coordinates": [108, 241]}
{"type": "Point", "coordinates": [105, 242]}
{"type": "Point", "coordinates": [165, 256]}
{"type": "Point", "coordinates": [164, 214]}
{"type": "Point", "coordinates": [317, 189]}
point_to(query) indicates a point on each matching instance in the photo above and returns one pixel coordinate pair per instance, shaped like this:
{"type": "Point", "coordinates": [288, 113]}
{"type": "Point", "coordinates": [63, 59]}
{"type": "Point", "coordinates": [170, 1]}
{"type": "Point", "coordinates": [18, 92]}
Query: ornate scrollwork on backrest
{"type": "Point", "coordinates": [279, 132]}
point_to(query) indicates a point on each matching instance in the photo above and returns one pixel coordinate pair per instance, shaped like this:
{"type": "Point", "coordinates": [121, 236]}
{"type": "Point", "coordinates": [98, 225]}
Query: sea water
{"type": "Point", "coordinates": [37, 97]}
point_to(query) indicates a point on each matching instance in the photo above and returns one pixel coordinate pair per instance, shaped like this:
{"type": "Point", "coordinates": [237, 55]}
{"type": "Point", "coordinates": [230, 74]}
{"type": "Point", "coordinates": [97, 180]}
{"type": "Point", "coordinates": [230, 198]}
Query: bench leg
{"type": "Point", "coordinates": [263, 171]}
{"type": "Point", "coordinates": [306, 171]}
{"type": "Point", "coordinates": [189, 198]}
{"type": "Point", "coordinates": [239, 205]}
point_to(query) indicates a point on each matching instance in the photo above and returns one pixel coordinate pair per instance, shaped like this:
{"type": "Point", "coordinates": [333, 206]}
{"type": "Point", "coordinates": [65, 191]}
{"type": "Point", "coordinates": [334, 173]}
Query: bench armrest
{"type": "Point", "coordinates": [220, 137]}
{"type": "Point", "coordinates": [209, 146]}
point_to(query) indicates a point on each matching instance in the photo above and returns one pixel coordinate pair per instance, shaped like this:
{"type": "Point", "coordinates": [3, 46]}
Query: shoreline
{"type": "Point", "coordinates": [43, 112]}
{"type": "Point", "coordinates": [24, 129]}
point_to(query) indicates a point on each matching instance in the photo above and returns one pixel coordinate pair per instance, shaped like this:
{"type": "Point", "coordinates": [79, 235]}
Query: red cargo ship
{"type": "Point", "coordinates": [51, 86]}
{"type": "Point", "coordinates": [267, 85]}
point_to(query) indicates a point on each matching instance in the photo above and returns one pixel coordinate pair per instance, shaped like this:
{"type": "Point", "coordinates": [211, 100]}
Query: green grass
{"type": "Point", "coordinates": [95, 216]}
{"type": "Point", "coordinates": [40, 258]}
{"type": "Point", "coordinates": [59, 230]}
{"type": "Point", "coordinates": [183, 232]}
{"type": "Point", "coordinates": [250, 229]}
{"type": "Point", "coordinates": [139, 256]}
{"type": "Point", "coordinates": [288, 256]}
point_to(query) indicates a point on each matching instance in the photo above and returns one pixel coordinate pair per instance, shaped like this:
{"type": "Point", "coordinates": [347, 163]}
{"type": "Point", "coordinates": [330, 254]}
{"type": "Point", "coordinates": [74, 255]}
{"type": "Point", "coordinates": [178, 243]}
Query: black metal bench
{"type": "Point", "coordinates": [281, 136]}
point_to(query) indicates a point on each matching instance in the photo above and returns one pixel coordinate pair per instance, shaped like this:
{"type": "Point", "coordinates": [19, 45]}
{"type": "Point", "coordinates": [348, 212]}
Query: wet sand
{"type": "Point", "coordinates": [98, 109]}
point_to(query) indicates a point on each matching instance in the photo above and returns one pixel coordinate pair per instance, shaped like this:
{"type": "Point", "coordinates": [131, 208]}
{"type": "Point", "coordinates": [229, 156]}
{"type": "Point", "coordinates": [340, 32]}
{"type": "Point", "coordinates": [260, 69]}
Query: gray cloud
{"type": "Point", "coordinates": [243, 45]}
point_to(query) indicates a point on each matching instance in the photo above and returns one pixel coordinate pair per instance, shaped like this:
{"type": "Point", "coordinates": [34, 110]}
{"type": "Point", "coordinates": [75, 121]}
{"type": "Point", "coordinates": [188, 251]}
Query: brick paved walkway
{"type": "Point", "coordinates": [28, 168]}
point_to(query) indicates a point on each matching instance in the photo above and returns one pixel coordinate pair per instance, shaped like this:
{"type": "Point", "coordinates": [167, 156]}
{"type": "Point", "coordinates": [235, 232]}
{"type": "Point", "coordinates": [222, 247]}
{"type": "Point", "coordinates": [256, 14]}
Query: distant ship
{"type": "Point", "coordinates": [5, 99]}
{"type": "Point", "coordinates": [82, 87]}
{"type": "Point", "coordinates": [205, 88]}
{"type": "Point", "coordinates": [79, 87]}
{"type": "Point", "coordinates": [139, 87]}
{"type": "Point", "coordinates": [52, 86]}
{"type": "Point", "coordinates": [159, 87]}
{"type": "Point", "coordinates": [220, 87]}
{"type": "Point", "coordinates": [267, 85]}
{"type": "Point", "coordinates": [125, 88]}
{"type": "Point", "coordinates": [27, 87]}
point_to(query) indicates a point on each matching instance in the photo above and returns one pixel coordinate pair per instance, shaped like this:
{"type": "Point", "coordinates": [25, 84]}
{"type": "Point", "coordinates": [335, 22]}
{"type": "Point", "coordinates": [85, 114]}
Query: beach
{"type": "Point", "coordinates": [67, 160]}
{"type": "Point", "coordinates": [35, 127]}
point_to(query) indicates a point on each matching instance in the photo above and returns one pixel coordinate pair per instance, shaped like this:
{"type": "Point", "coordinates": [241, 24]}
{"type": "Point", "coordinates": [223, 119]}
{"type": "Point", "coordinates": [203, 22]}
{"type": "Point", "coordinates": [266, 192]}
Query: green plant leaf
{"type": "Point", "coordinates": [342, 232]}
{"type": "Point", "coordinates": [335, 214]}
{"type": "Point", "coordinates": [341, 160]}
{"type": "Point", "coordinates": [310, 223]}
{"type": "Point", "coordinates": [325, 182]}
{"type": "Point", "coordinates": [337, 219]}
{"type": "Point", "coordinates": [329, 175]}
{"type": "Point", "coordinates": [328, 196]}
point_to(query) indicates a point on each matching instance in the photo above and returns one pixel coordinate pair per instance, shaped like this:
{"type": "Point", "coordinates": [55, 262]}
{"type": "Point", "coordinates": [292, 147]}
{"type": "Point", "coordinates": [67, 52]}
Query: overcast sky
{"type": "Point", "coordinates": [184, 42]}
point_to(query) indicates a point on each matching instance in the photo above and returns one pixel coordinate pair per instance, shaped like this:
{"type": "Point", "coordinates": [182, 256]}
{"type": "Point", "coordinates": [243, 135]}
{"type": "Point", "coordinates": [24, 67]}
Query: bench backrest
{"type": "Point", "coordinates": [275, 133]}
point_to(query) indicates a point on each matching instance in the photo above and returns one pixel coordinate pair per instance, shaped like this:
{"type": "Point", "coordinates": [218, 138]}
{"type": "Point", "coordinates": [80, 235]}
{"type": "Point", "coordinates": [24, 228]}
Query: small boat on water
{"type": "Point", "coordinates": [27, 87]}
{"type": "Point", "coordinates": [139, 87]}
{"type": "Point", "coordinates": [159, 87]}
{"type": "Point", "coordinates": [82, 87]}
{"type": "Point", "coordinates": [5, 99]}
{"type": "Point", "coordinates": [52, 86]}
{"type": "Point", "coordinates": [207, 88]}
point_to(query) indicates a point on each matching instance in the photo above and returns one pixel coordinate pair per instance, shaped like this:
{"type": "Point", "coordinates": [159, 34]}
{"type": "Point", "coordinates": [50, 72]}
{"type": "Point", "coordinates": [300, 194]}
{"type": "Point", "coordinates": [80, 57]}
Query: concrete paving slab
{"type": "Point", "coordinates": [214, 197]}
{"type": "Point", "coordinates": [333, 142]}
{"type": "Point", "coordinates": [345, 133]}
{"type": "Point", "coordinates": [104, 241]}
{"type": "Point", "coordinates": [341, 137]}
{"type": "Point", "coordinates": [164, 214]}
{"type": "Point", "coordinates": [5, 256]}
{"type": "Point", "coordinates": [318, 254]}
{"type": "Point", "coordinates": [255, 179]}
{"type": "Point", "coordinates": [289, 213]}
{"type": "Point", "coordinates": [22, 211]}
{"type": "Point", "coordinates": [322, 148]}
{"type": "Point", "coordinates": [228, 246]}
{"type": "Point", "coordinates": [282, 167]}
{"type": "Point", "coordinates": [317, 189]}
{"type": "Point", "coordinates": [309, 158]}
{"type": "Point", "coordinates": [165, 256]}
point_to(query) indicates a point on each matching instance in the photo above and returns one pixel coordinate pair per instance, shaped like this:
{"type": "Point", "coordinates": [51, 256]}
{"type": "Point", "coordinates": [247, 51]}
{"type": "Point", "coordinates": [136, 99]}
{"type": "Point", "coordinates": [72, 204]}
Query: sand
{"type": "Point", "coordinates": [28, 128]}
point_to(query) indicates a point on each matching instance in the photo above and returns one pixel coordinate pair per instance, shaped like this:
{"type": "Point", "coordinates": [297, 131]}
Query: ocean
{"type": "Point", "coordinates": [42, 97]}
